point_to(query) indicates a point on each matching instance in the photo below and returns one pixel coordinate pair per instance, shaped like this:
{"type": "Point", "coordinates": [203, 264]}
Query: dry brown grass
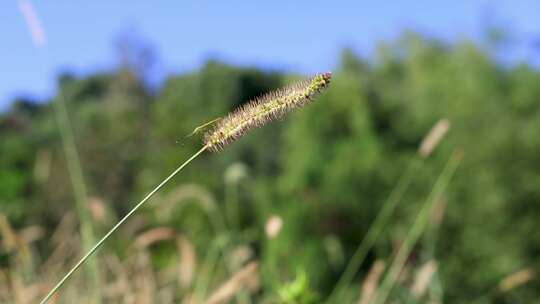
{"type": "Point", "coordinates": [131, 277]}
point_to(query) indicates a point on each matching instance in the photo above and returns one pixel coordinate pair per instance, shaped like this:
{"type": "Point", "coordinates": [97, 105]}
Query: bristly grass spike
{"type": "Point", "coordinates": [261, 110]}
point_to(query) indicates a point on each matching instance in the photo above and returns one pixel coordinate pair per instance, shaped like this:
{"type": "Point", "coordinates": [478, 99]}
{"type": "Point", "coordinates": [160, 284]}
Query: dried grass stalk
{"type": "Point", "coordinates": [245, 277]}
{"type": "Point", "coordinates": [423, 278]}
{"type": "Point", "coordinates": [516, 279]}
{"type": "Point", "coordinates": [188, 262]}
{"type": "Point", "coordinates": [432, 139]}
{"type": "Point", "coordinates": [371, 282]}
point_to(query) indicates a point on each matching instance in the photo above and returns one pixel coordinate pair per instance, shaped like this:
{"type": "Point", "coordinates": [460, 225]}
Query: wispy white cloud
{"type": "Point", "coordinates": [32, 21]}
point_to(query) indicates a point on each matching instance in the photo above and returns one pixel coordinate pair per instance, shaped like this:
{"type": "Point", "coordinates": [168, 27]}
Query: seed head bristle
{"type": "Point", "coordinates": [264, 109]}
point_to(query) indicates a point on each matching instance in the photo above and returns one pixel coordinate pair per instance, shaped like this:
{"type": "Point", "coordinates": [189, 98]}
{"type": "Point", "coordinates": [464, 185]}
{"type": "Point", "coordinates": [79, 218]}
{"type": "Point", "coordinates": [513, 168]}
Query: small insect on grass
{"type": "Point", "coordinates": [253, 114]}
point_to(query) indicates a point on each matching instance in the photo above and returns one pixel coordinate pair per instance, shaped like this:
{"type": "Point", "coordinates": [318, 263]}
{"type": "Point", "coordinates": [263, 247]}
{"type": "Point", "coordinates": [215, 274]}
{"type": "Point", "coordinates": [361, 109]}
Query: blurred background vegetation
{"type": "Point", "coordinates": [278, 216]}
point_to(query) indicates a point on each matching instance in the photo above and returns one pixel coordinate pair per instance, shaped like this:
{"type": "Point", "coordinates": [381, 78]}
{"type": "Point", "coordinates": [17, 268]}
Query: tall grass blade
{"type": "Point", "coordinates": [79, 190]}
{"type": "Point", "coordinates": [374, 232]}
{"type": "Point", "coordinates": [417, 228]}
{"type": "Point", "coordinates": [72, 156]}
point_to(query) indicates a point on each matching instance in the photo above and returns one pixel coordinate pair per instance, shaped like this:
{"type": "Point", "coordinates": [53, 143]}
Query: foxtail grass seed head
{"type": "Point", "coordinates": [264, 109]}
{"type": "Point", "coordinates": [433, 138]}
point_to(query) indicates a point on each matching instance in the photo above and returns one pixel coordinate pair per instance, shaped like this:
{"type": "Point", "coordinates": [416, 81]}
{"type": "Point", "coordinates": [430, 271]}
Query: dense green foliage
{"type": "Point", "coordinates": [325, 170]}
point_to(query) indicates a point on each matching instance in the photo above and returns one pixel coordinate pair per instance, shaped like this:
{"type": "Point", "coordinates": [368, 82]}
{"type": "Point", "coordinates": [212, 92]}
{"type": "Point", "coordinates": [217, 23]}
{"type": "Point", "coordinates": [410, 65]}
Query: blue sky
{"type": "Point", "coordinates": [299, 36]}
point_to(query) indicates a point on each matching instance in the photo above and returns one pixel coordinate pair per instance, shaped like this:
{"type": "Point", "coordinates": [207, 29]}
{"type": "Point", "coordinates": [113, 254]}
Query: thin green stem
{"type": "Point", "coordinates": [417, 229]}
{"type": "Point", "coordinates": [374, 231]}
{"type": "Point", "coordinates": [74, 170]}
{"type": "Point", "coordinates": [79, 189]}
{"type": "Point", "coordinates": [113, 229]}
{"type": "Point", "coordinates": [204, 278]}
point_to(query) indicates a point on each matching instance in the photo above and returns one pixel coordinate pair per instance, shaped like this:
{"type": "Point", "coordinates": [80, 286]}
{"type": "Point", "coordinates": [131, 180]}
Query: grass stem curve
{"type": "Point", "coordinates": [115, 227]}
